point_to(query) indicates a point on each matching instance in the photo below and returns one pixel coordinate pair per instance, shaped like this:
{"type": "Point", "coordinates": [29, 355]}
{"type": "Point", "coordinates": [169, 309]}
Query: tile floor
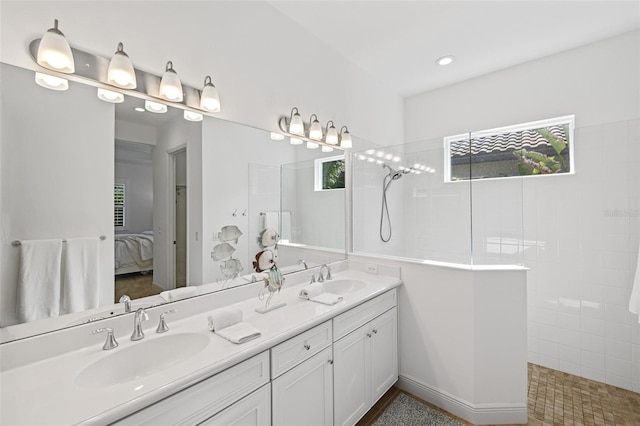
{"type": "Point", "coordinates": [558, 399]}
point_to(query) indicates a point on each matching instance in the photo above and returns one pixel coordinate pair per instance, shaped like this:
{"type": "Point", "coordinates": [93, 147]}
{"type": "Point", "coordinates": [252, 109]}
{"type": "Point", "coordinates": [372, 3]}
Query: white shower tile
{"type": "Point", "coordinates": [592, 292]}
{"type": "Point", "coordinates": [593, 360]}
{"type": "Point", "coordinates": [618, 349]}
{"type": "Point", "coordinates": [569, 367]}
{"type": "Point", "coordinates": [533, 357]}
{"type": "Point", "coordinates": [592, 343]}
{"type": "Point", "coordinates": [548, 332]}
{"type": "Point", "coordinates": [618, 367]}
{"type": "Point", "coordinates": [569, 354]}
{"type": "Point", "coordinates": [548, 362]}
{"type": "Point", "coordinates": [618, 331]}
{"type": "Point", "coordinates": [617, 313]}
{"type": "Point", "coordinates": [617, 295]}
{"type": "Point", "coordinates": [569, 321]}
{"type": "Point", "coordinates": [548, 348]}
{"type": "Point", "coordinates": [623, 382]}
{"type": "Point", "coordinates": [592, 326]}
{"type": "Point", "coordinates": [548, 316]}
{"type": "Point", "coordinates": [593, 374]}
{"type": "Point", "coordinates": [569, 338]}
{"type": "Point", "coordinates": [615, 259]}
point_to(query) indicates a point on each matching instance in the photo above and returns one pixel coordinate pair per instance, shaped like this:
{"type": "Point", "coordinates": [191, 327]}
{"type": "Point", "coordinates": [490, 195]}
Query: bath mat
{"type": "Point", "coordinates": [407, 411]}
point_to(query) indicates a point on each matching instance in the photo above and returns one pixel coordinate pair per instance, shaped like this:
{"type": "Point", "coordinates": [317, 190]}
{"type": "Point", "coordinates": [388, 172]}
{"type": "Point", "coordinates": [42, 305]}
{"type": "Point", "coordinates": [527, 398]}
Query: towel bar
{"type": "Point", "coordinates": [16, 243]}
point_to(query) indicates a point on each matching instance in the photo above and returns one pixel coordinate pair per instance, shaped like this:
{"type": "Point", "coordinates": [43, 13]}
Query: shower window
{"type": "Point", "coordinates": [531, 149]}
{"type": "Point", "coordinates": [329, 173]}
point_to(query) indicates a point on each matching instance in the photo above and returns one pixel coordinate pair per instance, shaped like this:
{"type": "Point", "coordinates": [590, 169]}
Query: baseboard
{"type": "Point", "coordinates": [478, 414]}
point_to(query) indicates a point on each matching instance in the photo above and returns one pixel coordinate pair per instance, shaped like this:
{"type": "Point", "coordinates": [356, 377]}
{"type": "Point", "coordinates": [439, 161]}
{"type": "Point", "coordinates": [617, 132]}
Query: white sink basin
{"type": "Point", "coordinates": [141, 359]}
{"type": "Point", "coordinates": [343, 286]}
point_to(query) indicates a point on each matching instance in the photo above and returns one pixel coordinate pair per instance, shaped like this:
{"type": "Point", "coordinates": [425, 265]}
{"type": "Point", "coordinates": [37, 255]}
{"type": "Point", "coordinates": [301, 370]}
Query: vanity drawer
{"type": "Point", "coordinates": [299, 348]}
{"type": "Point", "coordinates": [345, 323]}
{"type": "Point", "coordinates": [204, 399]}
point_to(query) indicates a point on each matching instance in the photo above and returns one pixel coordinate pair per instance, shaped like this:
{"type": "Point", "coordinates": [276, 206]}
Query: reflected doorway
{"type": "Point", "coordinates": [180, 215]}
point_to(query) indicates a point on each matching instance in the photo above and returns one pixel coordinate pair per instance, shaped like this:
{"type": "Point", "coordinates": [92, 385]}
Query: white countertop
{"type": "Point", "coordinates": [45, 392]}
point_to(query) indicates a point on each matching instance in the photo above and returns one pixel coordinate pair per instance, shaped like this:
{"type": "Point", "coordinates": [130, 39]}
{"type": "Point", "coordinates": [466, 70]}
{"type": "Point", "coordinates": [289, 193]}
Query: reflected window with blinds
{"type": "Point", "coordinates": [119, 197]}
{"type": "Point", "coordinates": [540, 148]}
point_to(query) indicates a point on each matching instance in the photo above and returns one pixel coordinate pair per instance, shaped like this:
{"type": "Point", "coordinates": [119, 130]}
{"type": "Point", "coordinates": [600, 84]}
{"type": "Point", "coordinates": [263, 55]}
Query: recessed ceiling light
{"type": "Point", "coordinates": [139, 109]}
{"type": "Point", "coordinates": [445, 60]}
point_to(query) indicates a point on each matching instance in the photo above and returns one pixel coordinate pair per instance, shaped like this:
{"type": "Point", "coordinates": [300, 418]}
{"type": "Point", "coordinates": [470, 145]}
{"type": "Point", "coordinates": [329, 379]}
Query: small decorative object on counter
{"type": "Point", "coordinates": [266, 263]}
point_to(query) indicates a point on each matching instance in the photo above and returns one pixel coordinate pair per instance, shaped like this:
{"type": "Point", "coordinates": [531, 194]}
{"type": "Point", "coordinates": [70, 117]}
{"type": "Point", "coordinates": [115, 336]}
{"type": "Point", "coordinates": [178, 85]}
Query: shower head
{"type": "Point", "coordinates": [394, 174]}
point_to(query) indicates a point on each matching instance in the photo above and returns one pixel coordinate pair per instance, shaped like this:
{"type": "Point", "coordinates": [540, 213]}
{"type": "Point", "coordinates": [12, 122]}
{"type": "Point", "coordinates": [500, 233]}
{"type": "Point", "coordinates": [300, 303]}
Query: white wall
{"type": "Point", "coordinates": [243, 45]}
{"type": "Point", "coordinates": [60, 147]}
{"type": "Point", "coordinates": [580, 234]}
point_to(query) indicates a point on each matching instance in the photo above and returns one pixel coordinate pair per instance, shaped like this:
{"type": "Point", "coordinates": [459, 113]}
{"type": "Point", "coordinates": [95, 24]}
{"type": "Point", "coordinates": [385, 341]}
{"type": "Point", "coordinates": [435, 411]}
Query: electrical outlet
{"type": "Point", "coordinates": [372, 268]}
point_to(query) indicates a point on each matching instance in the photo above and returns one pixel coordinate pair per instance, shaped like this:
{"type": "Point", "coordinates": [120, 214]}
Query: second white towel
{"type": "Point", "coordinates": [228, 324]}
{"type": "Point", "coordinates": [315, 292]}
{"type": "Point", "coordinates": [81, 277]}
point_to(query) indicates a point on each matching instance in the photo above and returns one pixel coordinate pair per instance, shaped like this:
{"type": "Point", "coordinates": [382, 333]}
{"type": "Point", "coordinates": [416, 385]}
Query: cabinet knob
{"type": "Point", "coordinates": [306, 346]}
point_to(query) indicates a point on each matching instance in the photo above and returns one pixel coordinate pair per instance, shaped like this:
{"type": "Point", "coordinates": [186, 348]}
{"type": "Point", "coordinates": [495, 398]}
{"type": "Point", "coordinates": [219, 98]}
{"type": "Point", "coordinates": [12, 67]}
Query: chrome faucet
{"type": "Point", "coordinates": [111, 342]}
{"type": "Point", "coordinates": [302, 262]}
{"type": "Point", "coordinates": [321, 277]}
{"type": "Point", "coordinates": [127, 302]}
{"type": "Point", "coordinates": [140, 315]}
{"type": "Point", "coordinates": [162, 325]}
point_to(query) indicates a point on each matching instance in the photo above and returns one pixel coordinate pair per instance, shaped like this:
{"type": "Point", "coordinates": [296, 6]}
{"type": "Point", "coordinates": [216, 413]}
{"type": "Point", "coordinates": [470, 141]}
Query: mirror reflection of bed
{"type": "Point", "coordinates": [133, 220]}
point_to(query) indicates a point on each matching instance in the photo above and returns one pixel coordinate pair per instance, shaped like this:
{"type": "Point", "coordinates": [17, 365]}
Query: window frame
{"type": "Point", "coordinates": [531, 125]}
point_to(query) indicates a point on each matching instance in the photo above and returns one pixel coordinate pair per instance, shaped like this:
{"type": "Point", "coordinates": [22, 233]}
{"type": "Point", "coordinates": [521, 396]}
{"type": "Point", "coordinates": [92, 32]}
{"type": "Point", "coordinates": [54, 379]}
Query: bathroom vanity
{"type": "Point", "coordinates": [309, 357]}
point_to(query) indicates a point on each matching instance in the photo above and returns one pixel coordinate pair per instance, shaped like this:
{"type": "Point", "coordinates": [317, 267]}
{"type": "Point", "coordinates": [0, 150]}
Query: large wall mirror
{"type": "Point", "coordinates": [181, 204]}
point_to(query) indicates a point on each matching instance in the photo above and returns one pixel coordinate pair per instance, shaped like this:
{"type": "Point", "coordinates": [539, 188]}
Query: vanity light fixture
{"type": "Point", "coordinates": [155, 107]}
{"type": "Point", "coordinates": [295, 141]}
{"type": "Point", "coordinates": [51, 82]}
{"type": "Point", "coordinates": [315, 129]}
{"type": "Point", "coordinates": [54, 51]}
{"type": "Point", "coordinates": [445, 60]}
{"type": "Point", "coordinates": [332, 134]}
{"type": "Point", "coordinates": [170, 86]}
{"type": "Point", "coordinates": [276, 136]}
{"type": "Point", "coordinates": [209, 99]}
{"type": "Point", "coordinates": [312, 145]}
{"type": "Point", "coordinates": [345, 138]}
{"type": "Point", "coordinates": [120, 72]}
{"type": "Point", "coordinates": [296, 126]}
{"type": "Point", "coordinates": [192, 116]}
{"type": "Point", "coordinates": [110, 96]}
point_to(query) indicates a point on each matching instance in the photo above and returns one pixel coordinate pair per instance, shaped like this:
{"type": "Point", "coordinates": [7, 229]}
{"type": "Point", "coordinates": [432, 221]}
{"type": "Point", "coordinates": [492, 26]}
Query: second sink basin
{"type": "Point", "coordinates": [141, 359]}
{"type": "Point", "coordinates": [343, 286]}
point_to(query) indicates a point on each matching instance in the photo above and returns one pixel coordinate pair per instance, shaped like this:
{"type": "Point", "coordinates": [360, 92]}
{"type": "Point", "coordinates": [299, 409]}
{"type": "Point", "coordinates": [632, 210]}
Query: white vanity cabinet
{"type": "Point", "coordinates": [252, 410]}
{"type": "Point", "coordinates": [365, 361]}
{"type": "Point", "coordinates": [302, 378]}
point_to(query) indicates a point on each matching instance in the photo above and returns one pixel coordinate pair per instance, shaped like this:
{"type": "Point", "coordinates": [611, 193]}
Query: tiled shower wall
{"type": "Point", "coordinates": [580, 237]}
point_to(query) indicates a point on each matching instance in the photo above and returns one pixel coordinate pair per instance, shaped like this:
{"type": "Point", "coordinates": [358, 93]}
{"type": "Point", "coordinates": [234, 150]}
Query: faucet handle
{"type": "Point", "coordinates": [111, 342]}
{"type": "Point", "coordinates": [162, 325]}
{"type": "Point", "coordinates": [127, 302]}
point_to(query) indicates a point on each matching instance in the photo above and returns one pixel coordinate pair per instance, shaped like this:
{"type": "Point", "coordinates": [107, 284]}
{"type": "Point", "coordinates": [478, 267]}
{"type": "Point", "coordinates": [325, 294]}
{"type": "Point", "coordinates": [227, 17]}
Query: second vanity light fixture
{"type": "Point", "coordinates": [294, 127]}
{"type": "Point", "coordinates": [54, 53]}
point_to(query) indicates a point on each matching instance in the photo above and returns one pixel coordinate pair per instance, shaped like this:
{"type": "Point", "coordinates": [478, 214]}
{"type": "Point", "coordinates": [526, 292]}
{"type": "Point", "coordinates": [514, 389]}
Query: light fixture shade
{"type": "Point", "coordinates": [345, 138]}
{"type": "Point", "coordinates": [209, 99]}
{"type": "Point", "coordinates": [192, 116]}
{"type": "Point", "coordinates": [296, 126]}
{"type": "Point", "coordinates": [120, 72]}
{"type": "Point", "coordinates": [155, 107]}
{"type": "Point", "coordinates": [110, 96]}
{"type": "Point", "coordinates": [170, 86]}
{"type": "Point", "coordinates": [326, 148]}
{"type": "Point", "coordinates": [276, 136]}
{"type": "Point", "coordinates": [54, 51]}
{"type": "Point", "coordinates": [332, 134]}
{"type": "Point", "coordinates": [51, 82]}
{"type": "Point", "coordinates": [315, 129]}
{"type": "Point", "coordinates": [312, 145]}
{"type": "Point", "coordinates": [295, 141]}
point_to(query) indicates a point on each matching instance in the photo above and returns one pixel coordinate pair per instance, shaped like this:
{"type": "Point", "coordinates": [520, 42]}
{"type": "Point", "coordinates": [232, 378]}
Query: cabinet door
{"type": "Point", "coordinates": [384, 353]}
{"type": "Point", "coordinates": [252, 410]}
{"type": "Point", "coordinates": [352, 386]}
{"type": "Point", "coordinates": [304, 394]}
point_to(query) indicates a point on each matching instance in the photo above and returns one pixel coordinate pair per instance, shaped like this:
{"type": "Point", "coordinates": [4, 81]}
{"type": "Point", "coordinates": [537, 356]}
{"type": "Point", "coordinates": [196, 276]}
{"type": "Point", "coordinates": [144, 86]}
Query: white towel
{"type": "Point", "coordinates": [179, 293]}
{"type": "Point", "coordinates": [634, 302]}
{"type": "Point", "coordinates": [270, 220]}
{"type": "Point", "coordinates": [315, 292]}
{"type": "Point", "coordinates": [39, 279]}
{"type": "Point", "coordinates": [81, 275]}
{"type": "Point", "coordinates": [228, 324]}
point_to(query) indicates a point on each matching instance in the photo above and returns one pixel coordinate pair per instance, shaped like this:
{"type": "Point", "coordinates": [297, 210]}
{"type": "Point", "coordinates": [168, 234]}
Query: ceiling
{"type": "Point", "coordinates": [397, 42]}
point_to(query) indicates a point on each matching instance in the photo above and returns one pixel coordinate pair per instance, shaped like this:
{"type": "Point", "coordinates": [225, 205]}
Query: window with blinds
{"type": "Point", "coordinates": [119, 204]}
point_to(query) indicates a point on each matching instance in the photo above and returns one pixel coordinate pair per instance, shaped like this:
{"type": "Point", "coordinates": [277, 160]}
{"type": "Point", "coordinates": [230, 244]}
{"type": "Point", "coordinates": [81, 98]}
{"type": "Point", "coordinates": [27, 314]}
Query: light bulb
{"type": "Point", "coordinates": [209, 99]}
{"type": "Point", "coordinates": [326, 148]}
{"type": "Point", "coordinates": [312, 145]}
{"type": "Point", "coordinates": [54, 51]}
{"type": "Point", "coordinates": [170, 86]}
{"type": "Point", "coordinates": [192, 116]}
{"type": "Point", "coordinates": [120, 72]}
{"type": "Point", "coordinates": [295, 141]}
{"type": "Point", "coordinates": [155, 107]}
